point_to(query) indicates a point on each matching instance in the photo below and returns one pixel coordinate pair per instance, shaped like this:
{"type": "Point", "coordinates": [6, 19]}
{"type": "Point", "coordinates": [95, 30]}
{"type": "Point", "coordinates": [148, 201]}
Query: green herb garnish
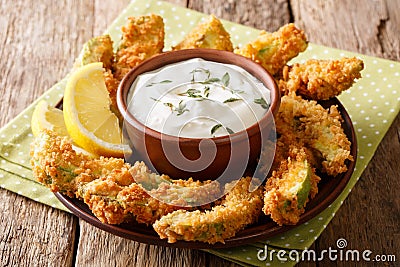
{"type": "Point", "coordinates": [232, 99]}
{"type": "Point", "coordinates": [236, 91]}
{"type": "Point", "coordinates": [206, 92]}
{"type": "Point", "coordinates": [152, 98]}
{"type": "Point", "coordinates": [211, 80]}
{"type": "Point", "coordinates": [154, 83]}
{"type": "Point", "coordinates": [261, 101]}
{"type": "Point", "coordinates": [225, 79]}
{"type": "Point", "coordinates": [229, 130]}
{"type": "Point", "coordinates": [219, 125]}
{"type": "Point", "coordinates": [181, 108]}
{"type": "Point", "coordinates": [206, 71]}
{"type": "Point", "coordinates": [194, 93]}
{"type": "Point", "coordinates": [215, 128]}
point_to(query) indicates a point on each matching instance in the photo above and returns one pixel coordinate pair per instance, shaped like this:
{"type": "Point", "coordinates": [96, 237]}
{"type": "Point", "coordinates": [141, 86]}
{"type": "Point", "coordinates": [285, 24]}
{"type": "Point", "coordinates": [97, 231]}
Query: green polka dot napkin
{"type": "Point", "coordinates": [372, 103]}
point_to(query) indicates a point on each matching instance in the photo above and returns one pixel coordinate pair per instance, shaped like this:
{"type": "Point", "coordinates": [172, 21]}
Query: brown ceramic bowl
{"type": "Point", "coordinates": [232, 151]}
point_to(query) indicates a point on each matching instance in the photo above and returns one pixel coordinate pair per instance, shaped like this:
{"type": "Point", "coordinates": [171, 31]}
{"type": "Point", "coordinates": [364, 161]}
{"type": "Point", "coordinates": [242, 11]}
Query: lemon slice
{"type": "Point", "coordinates": [87, 114]}
{"type": "Point", "coordinates": [47, 117]}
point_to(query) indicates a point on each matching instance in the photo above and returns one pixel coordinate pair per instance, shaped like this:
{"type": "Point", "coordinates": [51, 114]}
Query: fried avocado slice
{"type": "Point", "coordinates": [284, 146]}
{"type": "Point", "coordinates": [321, 79]}
{"type": "Point", "coordinates": [274, 50]}
{"type": "Point", "coordinates": [114, 203]}
{"type": "Point", "coordinates": [100, 49]}
{"type": "Point", "coordinates": [142, 38]}
{"type": "Point", "coordinates": [97, 49]}
{"type": "Point", "coordinates": [289, 188]}
{"type": "Point", "coordinates": [147, 198]}
{"type": "Point", "coordinates": [187, 192]}
{"type": "Point", "coordinates": [108, 185]}
{"type": "Point", "coordinates": [57, 165]}
{"type": "Point", "coordinates": [239, 209]}
{"type": "Point", "coordinates": [318, 128]}
{"type": "Point", "coordinates": [210, 34]}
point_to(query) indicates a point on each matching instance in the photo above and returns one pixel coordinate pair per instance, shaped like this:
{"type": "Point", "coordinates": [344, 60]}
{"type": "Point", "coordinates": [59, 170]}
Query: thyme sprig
{"type": "Point", "coordinates": [161, 82]}
{"type": "Point", "coordinates": [219, 125]}
{"type": "Point", "coordinates": [180, 109]}
{"type": "Point", "coordinates": [224, 80]}
{"type": "Point", "coordinates": [206, 71]}
{"type": "Point", "coordinates": [194, 93]}
{"type": "Point", "coordinates": [206, 92]}
{"type": "Point", "coordinates": [210, 81]}
{"type": "Point", "coordinates": [215, 128]}
{"type": "Point", "coordinates": [234, 92]}
{"type": "Point", "coordinates": [229, 130]}
{"type": "Point", "coordinates": [232, 99]}
{"type": "Point", "coordinates": [261, 101]}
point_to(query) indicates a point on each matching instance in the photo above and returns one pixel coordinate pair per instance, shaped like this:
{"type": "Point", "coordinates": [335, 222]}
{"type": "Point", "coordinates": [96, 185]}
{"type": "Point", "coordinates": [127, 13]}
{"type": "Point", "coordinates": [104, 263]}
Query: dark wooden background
{"type": "Point", "coordinates": [38, 43]}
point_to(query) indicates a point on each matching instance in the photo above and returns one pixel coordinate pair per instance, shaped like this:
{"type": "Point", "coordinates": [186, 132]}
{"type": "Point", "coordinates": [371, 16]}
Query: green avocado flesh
{"type": "Point", "coordinates": [305, 186]}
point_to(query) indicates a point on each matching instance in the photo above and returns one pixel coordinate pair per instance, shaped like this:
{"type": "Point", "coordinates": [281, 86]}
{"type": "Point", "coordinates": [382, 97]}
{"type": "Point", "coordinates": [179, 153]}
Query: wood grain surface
{"type": "Point", "coordinates": [38, 43]}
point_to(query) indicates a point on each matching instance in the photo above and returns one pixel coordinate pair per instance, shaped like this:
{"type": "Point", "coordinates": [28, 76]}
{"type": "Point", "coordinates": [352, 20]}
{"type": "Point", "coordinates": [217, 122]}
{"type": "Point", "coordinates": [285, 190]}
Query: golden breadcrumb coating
{"type": "Point", "coordinates": [57, 165]}
{"type": "Point", "coordinates": [274, 50]}
{"type": "Point", "coordinates": [284, 144]}
{"type": "Point", "coordinates": [290, 187]}
{"type": "Point", "coordinates": [123, 202]}
{"type": "Point", "coordinates": [210, 34]}
{"type": "Point", "coordinates": [321, 79]}
{"type": "Point", "coordinates": [112, 86]}
{"type": "Point", "coordinates": [239, 209]}
{"type": "Point", "coordinates": [97, 49]}
{"type": "Point", "coordinates": [112, 188]}
{"type": "Point", "coordinates": [319, 129]}
{"type": "Point", "coordinates": [142, 38]}
{"type": "Point", "coordinates": [114, 203]}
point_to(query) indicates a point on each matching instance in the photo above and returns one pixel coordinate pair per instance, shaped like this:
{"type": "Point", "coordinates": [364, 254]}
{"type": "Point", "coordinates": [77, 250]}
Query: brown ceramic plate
{"type": "Point", "coordinates": [329, 189]}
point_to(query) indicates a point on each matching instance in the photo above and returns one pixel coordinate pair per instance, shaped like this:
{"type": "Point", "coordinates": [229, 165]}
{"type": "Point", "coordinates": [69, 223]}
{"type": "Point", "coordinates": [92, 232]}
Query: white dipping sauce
{"type": "Point", "coordinates": [198, 98]}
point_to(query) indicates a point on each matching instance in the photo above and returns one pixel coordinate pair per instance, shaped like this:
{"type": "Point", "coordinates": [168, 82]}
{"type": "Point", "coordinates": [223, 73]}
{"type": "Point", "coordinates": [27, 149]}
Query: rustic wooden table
{"type": "Point", "coordinates": [38, 43]}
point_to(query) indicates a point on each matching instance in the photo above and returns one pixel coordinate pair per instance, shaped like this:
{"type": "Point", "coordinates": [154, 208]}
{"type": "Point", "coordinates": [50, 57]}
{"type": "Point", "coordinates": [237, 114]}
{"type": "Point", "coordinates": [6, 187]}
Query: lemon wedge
{"type": "Point", "coordinates": [88, 118]}
{"type": "Point", "coordinates": [47, 117]}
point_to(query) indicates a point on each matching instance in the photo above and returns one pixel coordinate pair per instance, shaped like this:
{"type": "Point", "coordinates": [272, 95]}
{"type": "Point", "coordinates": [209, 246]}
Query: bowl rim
{"type": "Point", "coordinates": [220, 56]}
